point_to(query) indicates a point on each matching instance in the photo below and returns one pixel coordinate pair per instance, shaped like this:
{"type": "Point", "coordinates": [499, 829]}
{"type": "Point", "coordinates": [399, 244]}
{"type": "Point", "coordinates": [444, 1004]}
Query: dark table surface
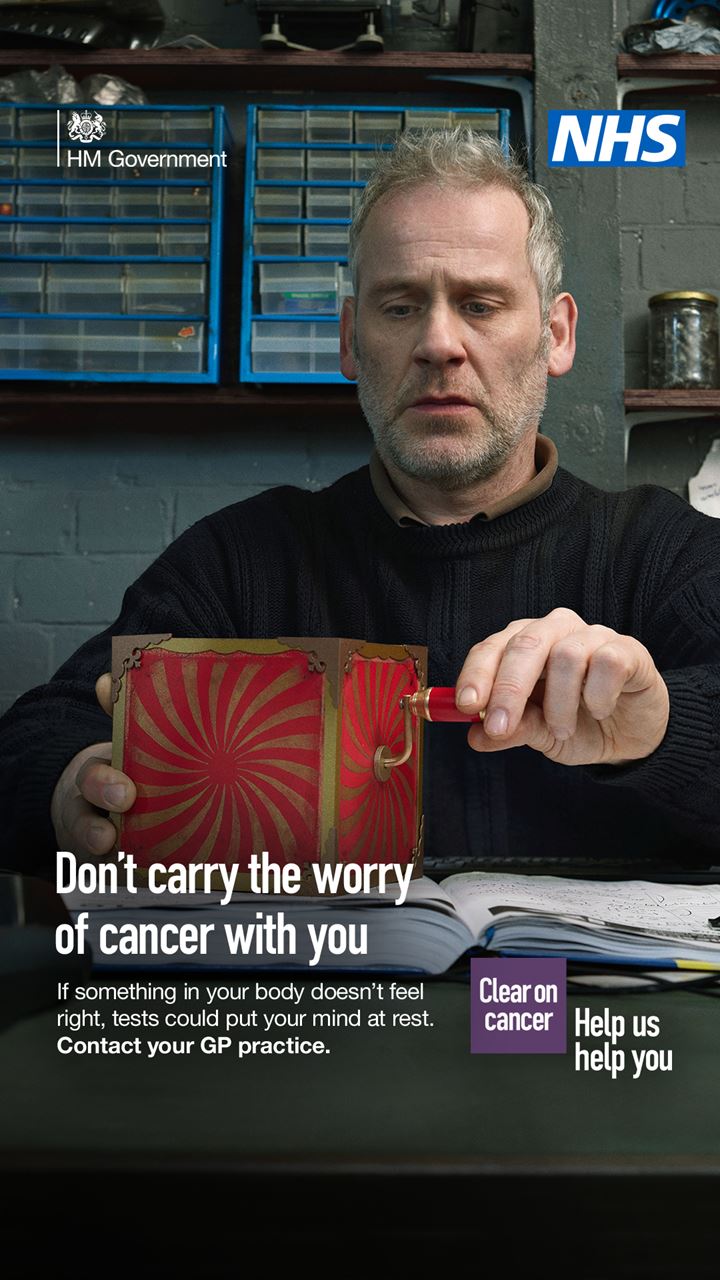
{"type": "Point", "coordinates": [387, 1096]}
{"type": "Point", "coordinates": [409, 1113]}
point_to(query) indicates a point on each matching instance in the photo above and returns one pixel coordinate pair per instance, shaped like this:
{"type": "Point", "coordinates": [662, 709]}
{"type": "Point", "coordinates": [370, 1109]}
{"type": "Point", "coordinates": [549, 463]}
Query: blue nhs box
{"type": "Point", "coordinates": [616, 139]}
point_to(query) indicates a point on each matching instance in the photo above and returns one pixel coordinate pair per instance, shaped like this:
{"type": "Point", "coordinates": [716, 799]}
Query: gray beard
{"type": "Point", "coordinates": [507, 424]}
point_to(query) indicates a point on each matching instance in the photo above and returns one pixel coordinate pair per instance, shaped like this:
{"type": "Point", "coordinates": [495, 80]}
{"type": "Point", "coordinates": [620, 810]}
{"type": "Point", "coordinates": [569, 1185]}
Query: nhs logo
{"type": "Point", "coordinates": [615, 139]}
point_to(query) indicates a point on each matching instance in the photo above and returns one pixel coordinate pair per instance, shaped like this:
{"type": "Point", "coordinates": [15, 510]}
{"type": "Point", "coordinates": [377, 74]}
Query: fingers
{"type": "Point", "coordinates": [532, 731]}
{"type": "Point", "coordinates": [88, 831]}
{"type": "Point", "coordinates": [504, 670]}
{"type": "Point", "coordinates": [622, 665]}
{"type": "Point", "coordinates": [87, 789]}
{"type": "Point", "coordinates": [105, 787]}
{"type": "Point", "coordinates": [479, 670]}
{"type": "Point", "coordinates": [583, 673]}
{"type": "Point", "coordinates": [95, 786]}
{"type": "Point", "coordinates": [103, 692]}
{"type": "Point", "coordinates": [576, 666]}
{"type": "Point", "coordinates": [557, 682]}
{"type": "Point", "coordinates": [579, 694]}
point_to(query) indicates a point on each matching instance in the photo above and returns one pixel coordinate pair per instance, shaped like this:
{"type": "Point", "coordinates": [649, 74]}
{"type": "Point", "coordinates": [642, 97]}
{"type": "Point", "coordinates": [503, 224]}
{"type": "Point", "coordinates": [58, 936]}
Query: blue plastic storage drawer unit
{"type": "Point", "coordinates": [110, 242]}
{"type": "Point", "coordinates": [305, 169]}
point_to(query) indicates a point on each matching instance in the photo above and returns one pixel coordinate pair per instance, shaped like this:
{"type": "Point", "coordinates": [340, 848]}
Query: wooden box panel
{"type": "Point", "coordinates": [242, 746]}
{"type": "Point", "coordinates": [374, 814]}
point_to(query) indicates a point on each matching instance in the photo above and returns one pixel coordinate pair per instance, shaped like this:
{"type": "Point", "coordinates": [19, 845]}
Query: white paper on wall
{"type": "Point", "coordinates": [704, 488]}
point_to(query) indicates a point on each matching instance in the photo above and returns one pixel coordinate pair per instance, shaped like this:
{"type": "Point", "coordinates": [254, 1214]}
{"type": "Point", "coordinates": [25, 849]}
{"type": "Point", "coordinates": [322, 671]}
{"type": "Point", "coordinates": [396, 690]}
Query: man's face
{"type": "Point", "coordinates": [446, 342]}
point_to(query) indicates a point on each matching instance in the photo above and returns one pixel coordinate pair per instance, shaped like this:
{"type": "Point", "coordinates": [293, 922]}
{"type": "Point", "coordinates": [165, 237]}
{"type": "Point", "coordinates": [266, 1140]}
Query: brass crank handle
{"type": "Point", "coordinates": [434, 704]}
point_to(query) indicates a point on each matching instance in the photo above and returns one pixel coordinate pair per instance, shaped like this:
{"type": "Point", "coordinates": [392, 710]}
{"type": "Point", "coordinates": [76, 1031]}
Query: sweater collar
{"type": "Point", "coordinates": [546, 464]}
{"type": "Point", "coordinates": [477, 536]}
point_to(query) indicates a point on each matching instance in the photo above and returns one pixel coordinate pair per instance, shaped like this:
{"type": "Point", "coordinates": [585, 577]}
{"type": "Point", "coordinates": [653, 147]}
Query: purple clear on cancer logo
{"type": "Point", "coordinates": [518, 1005]}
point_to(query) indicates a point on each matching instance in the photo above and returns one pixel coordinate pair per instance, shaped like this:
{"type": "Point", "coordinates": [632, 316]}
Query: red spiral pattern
{"type": "Point", "coordinates": [225, 753]}
{"type": "Point", "coordinates": [377, 820]}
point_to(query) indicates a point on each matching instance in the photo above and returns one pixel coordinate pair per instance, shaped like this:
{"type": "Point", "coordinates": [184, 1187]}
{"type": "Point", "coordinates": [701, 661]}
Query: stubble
{"type": "Point", "coordinates": [453, 452]}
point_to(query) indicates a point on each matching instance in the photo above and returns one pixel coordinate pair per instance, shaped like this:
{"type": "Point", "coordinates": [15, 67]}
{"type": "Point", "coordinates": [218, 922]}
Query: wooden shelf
{"type": "Point", "coordinates": [25, 399]}
{"type": "Point", "coordinates": [252, 69]}
{"type": "Point", "coordinates": [688, 65]}
{"type": "Point", "coordinates": [703, 69]}
{"type": "Point", "coordinates": [643, 400]}
{"type": "Point", "coordinates": [169, 406]}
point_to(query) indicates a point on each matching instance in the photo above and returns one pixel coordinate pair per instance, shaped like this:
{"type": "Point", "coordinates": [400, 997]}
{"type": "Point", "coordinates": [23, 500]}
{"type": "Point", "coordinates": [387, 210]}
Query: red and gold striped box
{"type": "Point", "coordinates": [244, 746]}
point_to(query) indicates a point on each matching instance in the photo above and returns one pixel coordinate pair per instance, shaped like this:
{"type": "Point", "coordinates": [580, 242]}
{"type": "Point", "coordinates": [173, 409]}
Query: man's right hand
{"type": "Point", "coordinates": [86, 790]}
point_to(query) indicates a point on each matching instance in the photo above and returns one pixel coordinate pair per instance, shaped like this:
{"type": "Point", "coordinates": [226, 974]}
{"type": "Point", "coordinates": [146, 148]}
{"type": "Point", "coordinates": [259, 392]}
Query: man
{"type": "Point", "coordinates": [587, 624]}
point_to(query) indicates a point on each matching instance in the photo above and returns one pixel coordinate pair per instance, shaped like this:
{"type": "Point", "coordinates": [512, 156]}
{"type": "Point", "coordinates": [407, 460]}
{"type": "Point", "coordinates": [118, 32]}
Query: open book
{"type": "Point", "coordinates": [622, 922]}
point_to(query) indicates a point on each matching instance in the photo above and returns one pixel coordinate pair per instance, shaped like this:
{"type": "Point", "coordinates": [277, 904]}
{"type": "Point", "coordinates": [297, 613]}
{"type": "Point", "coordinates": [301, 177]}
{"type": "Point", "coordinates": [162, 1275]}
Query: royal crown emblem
{"type": "Point", "coordinates": [86, 126]}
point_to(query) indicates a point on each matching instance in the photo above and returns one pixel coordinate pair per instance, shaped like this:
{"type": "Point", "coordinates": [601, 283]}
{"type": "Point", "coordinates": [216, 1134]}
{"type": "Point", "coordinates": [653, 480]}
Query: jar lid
{"type": "Point", "coordinates": [686, 294]}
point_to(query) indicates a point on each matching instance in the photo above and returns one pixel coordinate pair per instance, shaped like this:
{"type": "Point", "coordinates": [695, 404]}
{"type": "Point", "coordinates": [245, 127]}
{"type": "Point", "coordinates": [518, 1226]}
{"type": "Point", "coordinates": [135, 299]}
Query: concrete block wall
{"type": "Point", "coordinates": [82, 516]}
{"type": "Point", "coordinates": [670, 218]}
{"type": "Point", "coordinates": [670, 221]}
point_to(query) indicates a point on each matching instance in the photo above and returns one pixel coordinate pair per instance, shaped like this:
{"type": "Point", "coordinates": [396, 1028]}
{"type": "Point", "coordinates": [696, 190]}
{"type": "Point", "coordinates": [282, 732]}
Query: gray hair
{"type": "Point", "coordinates": [463, 157]}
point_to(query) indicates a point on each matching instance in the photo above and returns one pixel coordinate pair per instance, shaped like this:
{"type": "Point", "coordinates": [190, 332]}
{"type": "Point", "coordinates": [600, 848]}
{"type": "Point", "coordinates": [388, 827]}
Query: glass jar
{"type": "Point", "coordinates": [683, 340]}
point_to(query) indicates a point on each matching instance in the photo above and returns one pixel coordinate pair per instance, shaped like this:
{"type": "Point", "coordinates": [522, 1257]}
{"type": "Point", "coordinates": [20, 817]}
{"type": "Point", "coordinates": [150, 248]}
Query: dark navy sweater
{"type": "Point", "coordinates": [333, 563]}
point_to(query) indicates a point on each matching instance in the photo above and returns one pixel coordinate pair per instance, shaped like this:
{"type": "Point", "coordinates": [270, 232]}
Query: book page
{"type": "Point", "coordinates": [421, 892]}
{"type": "Point", "coordinates": [639, 905]}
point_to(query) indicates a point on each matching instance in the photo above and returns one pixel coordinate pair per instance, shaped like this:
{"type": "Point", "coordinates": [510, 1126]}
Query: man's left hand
{"type": "Point", "coordinates": [579, 694]}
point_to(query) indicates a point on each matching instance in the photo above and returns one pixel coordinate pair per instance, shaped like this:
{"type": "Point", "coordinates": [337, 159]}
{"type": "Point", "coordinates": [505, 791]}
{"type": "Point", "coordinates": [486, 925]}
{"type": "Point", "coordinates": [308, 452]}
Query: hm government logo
{"type": "Point", "coordinates": [86, 126]}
